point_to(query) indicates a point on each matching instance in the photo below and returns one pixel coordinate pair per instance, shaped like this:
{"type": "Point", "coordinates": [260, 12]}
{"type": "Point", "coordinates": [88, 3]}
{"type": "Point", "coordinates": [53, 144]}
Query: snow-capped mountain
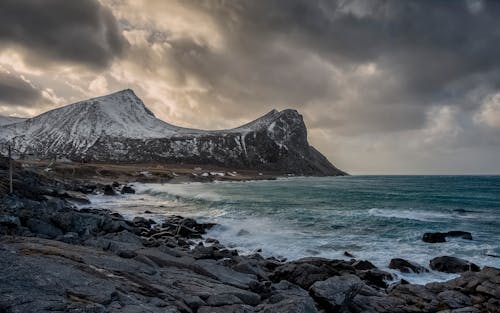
{"type": "Point", "coordinates": [120, 128]}
{"type": "Point", "coordinates": [8, 120]}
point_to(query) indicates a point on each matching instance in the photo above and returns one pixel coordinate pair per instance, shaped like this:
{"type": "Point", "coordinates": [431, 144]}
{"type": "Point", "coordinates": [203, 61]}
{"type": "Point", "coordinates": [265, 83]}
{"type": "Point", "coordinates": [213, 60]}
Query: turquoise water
{"type": "Point", "coordinates": [372, 217]}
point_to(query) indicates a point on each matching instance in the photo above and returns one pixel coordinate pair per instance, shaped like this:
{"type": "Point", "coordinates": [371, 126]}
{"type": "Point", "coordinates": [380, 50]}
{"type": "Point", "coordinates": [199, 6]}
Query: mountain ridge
{"type": "Point", "coordinates": [120, 128]}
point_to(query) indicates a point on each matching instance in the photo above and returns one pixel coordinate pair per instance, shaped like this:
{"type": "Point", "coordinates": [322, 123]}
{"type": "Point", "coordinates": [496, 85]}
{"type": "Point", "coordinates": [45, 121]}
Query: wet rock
{"type": "Point", "coordinates": [434, 237]}
{"type": "Point", "coordinates": [449, 264]}
{"type": "Point", "coordinates": [441, 237]}
{"type": "Point", "coordinates": [405, 266]}
{"type": "Point", "coordinates": [363, 265]}
{"type": "Point", "coordinates": [143, 222]}
{"type": "Point", "coordinates": [375, 277]}
{"type": "Point", "coordinates": [109, 190]}
{"type": "Point", "coordinates": [202, 252]}
{"type": "Point", "coordinates": [459, 233]}
{"type": "Point", "coordinates": [127, 190]}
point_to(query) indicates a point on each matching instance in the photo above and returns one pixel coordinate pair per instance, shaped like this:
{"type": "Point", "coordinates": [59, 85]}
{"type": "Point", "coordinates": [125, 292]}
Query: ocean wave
{"type": "Point", "coordinates": [417, 215]}
{"type": "Point", "coordinates": [191, 191]}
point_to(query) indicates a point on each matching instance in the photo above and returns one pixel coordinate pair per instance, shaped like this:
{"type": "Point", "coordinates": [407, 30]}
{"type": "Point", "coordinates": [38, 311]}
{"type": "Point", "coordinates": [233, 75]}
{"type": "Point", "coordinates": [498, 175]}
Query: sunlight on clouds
{"type": "Point", "coordinates": [99, 85]}
{"type": "Point", "coordinates": [14, 61]}
{"type": "Point", "coordinates": [442, 125]}
{"type": "Point", "coordinates": [175, 18]}
{"type": "Point", "coordinates": [489, 112]}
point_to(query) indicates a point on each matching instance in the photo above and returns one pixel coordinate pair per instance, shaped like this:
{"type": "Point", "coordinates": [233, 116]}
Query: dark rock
{"type": "Point", "coordinates": [201, 252]}
{"type": "Point", "coordinates": [449, 264]}
{"type": "Point", "coordinates": [194, 302]}
{"type": "Point", "coordinates": [126, 254]}
{"type": "Point", "coordinates": [363, 265]}
{"type": "Point", "coordinates": [375, 277]}
{"type": "Point", "coordinates": [109, 190]}
{"type": "Point", "coordinates": [10, 221]}
{"type": "Point", "coordinates": [127, 189]}
{"type": "Point", "coordinates": [235, 308]}
{"type": "Point", "coordinates": [441, 237]}
{"type": "Point", "coordinates": [223, 299]}
{"type": "Point", "coordinates": [307, 271]}
{"type": "Point", "coordinates": [434, 237]}
{"type": "Point", "coordinates": [461, 234]}
{"type": "Point", "coordinates": [405, 266]}
{"type": "Point", "coordinates": [70, 238]}
{"type": "Point", "coordinates": [347, 254]}
{"type": "Point", "coordinates": [337, 293]}
{"type": "Point", "coordinates": [143, 222]}
{"type": "Point", "coordinates": [41, 227]}
{"type": "Point", "coordinates": [454, 299]}
{"type": "Point", "coordinates": [250, 266]}
{"type": "Point", "coordinates": [287, 297]}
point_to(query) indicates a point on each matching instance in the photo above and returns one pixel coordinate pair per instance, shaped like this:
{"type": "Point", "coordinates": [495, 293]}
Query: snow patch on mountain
{"type": "Point", "coordinates": [8, 120]}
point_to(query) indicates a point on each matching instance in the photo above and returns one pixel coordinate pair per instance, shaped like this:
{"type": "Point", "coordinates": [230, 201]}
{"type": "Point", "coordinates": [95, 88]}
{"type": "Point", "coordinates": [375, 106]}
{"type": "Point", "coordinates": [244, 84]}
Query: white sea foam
{"type": "Point", "coordinates": [418, 215]}
{"type": "Point", "coordinates": [254, 216]}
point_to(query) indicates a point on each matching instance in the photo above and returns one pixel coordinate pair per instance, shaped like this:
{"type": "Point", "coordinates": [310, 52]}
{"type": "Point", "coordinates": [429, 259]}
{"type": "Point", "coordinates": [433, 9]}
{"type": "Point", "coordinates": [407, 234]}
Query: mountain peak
{"type": "Point", "coordinates": [119, 128]}
{"type": "Point", "coordinates": [127, 91]}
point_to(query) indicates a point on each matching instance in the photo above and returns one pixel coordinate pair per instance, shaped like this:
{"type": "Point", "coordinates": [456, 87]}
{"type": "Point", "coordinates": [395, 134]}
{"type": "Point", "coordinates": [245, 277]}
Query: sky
{"type": "Point", "coordinates": [384, 86]}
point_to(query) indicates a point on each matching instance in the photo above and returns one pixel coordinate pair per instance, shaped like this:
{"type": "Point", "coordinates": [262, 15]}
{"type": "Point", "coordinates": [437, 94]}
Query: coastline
{"type": "Point", "coordinates": [110, 259]}
{"type": "Point", "coordinates": [137, 265]}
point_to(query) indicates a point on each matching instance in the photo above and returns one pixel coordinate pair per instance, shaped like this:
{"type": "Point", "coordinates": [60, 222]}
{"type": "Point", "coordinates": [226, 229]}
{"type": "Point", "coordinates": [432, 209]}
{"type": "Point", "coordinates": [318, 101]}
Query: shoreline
{"type": "Point", "coordinates": [139, 265]}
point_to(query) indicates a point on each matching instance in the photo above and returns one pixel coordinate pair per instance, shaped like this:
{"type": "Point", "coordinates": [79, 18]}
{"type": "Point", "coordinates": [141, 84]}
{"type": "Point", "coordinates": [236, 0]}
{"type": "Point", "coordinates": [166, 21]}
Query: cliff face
{"type": "Point", "coordinates": [119, 128]}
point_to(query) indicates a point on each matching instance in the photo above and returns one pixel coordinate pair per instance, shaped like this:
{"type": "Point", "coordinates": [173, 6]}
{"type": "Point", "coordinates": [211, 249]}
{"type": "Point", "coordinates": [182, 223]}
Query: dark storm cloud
{"type": "Point", "coordinates": [16, 91]}
{"type": "Point", "coordinates": [428, 52]}
{"type": "Point", "coordinates": [60, 30]}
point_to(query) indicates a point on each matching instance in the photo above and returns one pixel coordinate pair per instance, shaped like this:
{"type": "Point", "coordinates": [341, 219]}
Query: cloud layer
{"type": "Point", "coordinates": [384, 86]}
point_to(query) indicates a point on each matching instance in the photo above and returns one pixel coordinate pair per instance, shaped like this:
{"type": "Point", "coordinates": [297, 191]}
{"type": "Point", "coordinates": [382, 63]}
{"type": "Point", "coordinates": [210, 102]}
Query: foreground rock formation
{"type": "Point", "coordinates": [119, 128]}
{"type": "Point", "coordinates": [54, 258]}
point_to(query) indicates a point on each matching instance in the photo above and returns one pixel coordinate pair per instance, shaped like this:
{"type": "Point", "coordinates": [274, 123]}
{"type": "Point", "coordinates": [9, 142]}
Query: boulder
{"type": "Point", "coordinates": [454, 299]}
{"type": "Point", "coordinates": [336, 294]}
{"type": "Point", "coordinates": [449, 264]}
{"type": "Point", "coordinates": [109, 190]}
{"type": "Point", "coordinates": [305, 272]}
{"type": "Point", "coordinates": [127, 189]}
{"type": "Point", "coordinates": [441, 237]}
{"type": "Point", "coordinates": [38, 226]}
{"type": "Point", "coordinates": [287, 297]}
{"type": "Point", "coordinates": [434, 237]}
{"type": "Point", "coordinates": [405, 266]}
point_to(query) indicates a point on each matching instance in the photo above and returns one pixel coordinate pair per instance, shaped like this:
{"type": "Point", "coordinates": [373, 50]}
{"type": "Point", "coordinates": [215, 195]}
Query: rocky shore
{"type": "Point", "coordinates": [56, 258]}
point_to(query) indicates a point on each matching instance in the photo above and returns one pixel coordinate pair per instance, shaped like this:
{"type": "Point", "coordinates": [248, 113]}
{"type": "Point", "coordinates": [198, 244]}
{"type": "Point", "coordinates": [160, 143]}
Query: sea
{"type": "Point", "coordinates": [375, 218]}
